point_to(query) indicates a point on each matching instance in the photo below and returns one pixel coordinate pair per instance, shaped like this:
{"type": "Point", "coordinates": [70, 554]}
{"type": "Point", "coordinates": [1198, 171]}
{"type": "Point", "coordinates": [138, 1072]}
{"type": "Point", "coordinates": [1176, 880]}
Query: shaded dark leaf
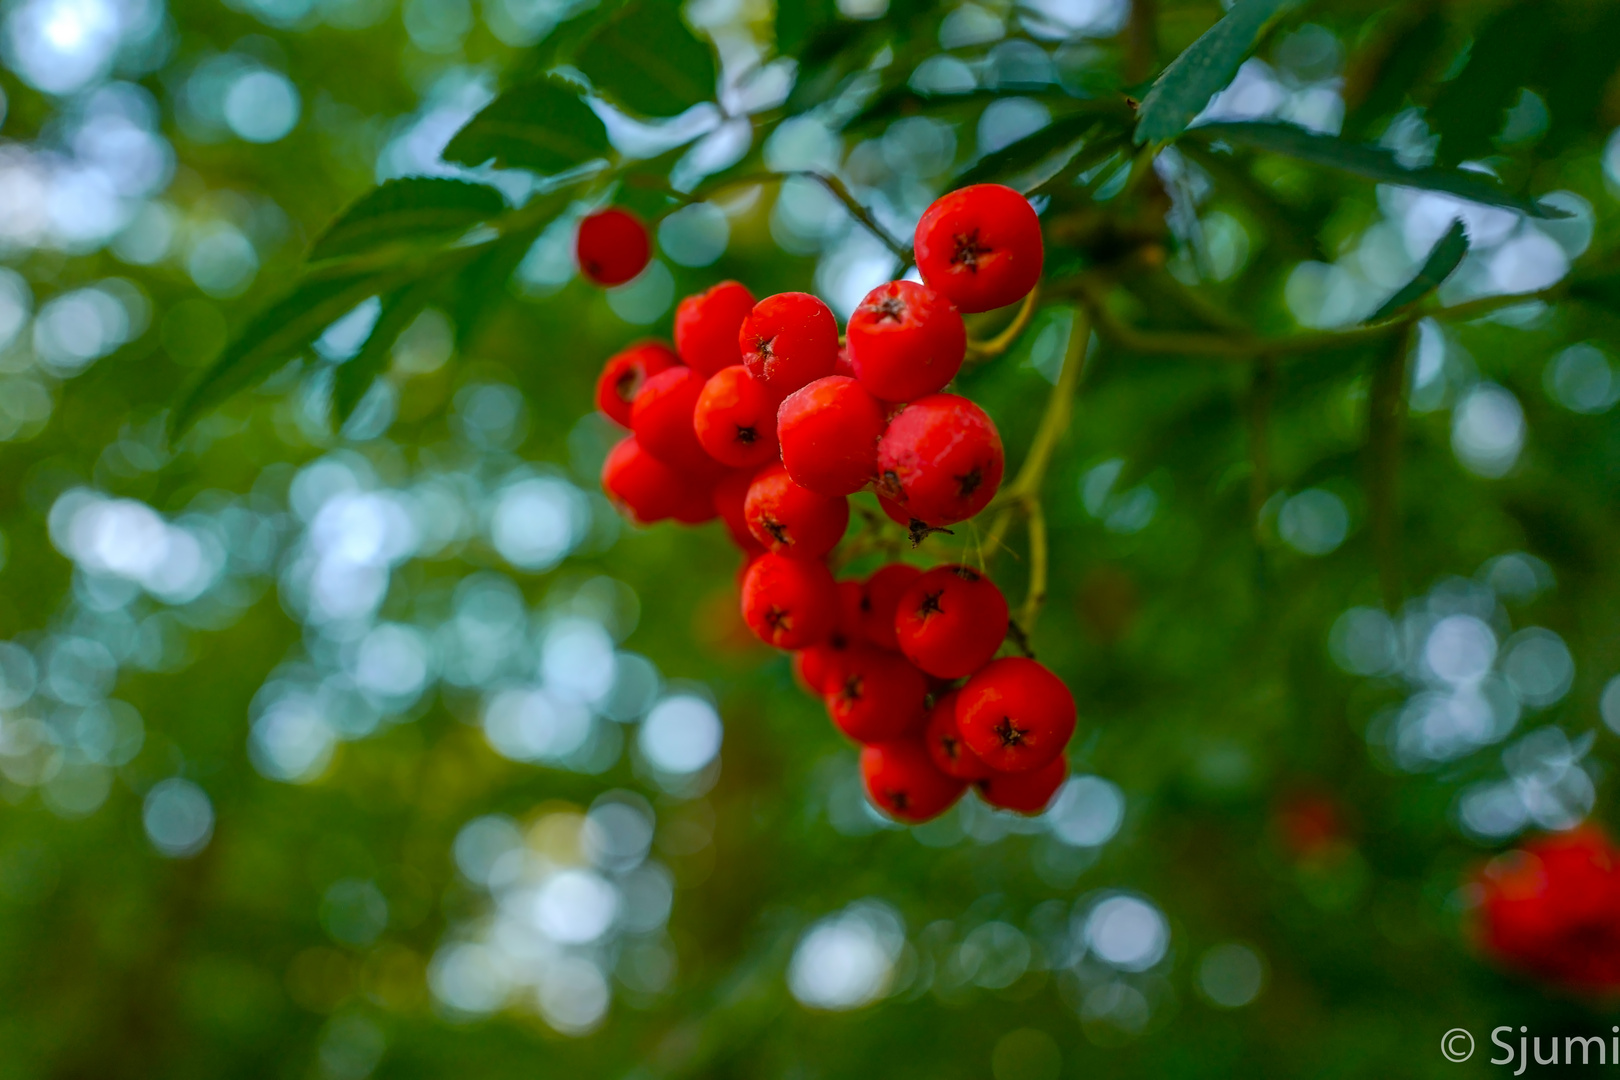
{"type": "Point", "coordinates": [1053, 146]}
{"type": "Point", "coordinates": [1469, 111]}
{"type": "Point", "coordinates": [1404, 51]}
{"type": "Point", "coordinates": [1203, 70]}
{"type": "Point", "coordinates": [1443, 258]}
{"type": "Point", "coordinates": [644, 58]}
{"type": "Point", "coordinates": [412, 209]}
{"type": "Point", "coordinates": [1576, 74]}
{"type": "Point", "coordinates": [542, 126]}
{"type": "Point", "coordinates": [355, 375]}
{"type": "Point", "coordinates": [796, 22]}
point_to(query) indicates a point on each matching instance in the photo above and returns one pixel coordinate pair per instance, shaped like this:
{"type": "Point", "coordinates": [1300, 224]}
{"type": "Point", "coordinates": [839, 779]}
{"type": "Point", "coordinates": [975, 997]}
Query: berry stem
{"type": "Point", "coordinates": [862, 215]}
{"type": "Point", "coordinates": [983, 350]}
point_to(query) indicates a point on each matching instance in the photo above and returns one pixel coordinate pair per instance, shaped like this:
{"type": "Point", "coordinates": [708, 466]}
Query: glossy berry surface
{"type": "Point", "coordinates": [940, 460]}
{"type": "Point", "coordinates": [876, 695]}
{"type": "Point", "coordinates": [1015, 715]}
{"type": "Point", "coordinates": [944, 742]}
{"type": "Point", "coordinates": [1025, 792]}
{"type": "Point", "coordinates": [906, 341]}
{"type": "Point", "coordinates": [789, 603]}
{"type": "Point", "coordinates": [735, 418]}
{"type": "Point", "coordinates": [661, 417]}
{"type": "Point", "coordinates": [788, 340]}
{"type": "Point", "coordinates": [625, 373]}
{"type": "Point", "coordinates": [641, 485]}
{"type": "Point", "coordinates": [950, 621]}
{"type": "Point", "coordinates": [706, 326]}
{"type": "Point", "coordinates": [981, 247]}
{"type": "Point", "coordinates": [829, 432]}
{"type": "Point", "coordinates": [880, 600]}
{"type": "Point", "coordinates": [901, 780]}
{"type": "Point", "coordinates": [612, 246]}
{"type": "Point", "coordinates": [791, 520]}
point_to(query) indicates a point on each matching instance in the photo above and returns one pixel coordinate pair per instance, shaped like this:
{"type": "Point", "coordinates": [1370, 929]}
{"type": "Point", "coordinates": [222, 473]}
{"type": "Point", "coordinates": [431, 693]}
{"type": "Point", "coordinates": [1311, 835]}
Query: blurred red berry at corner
{"type": "Point", "coordinates": [624, 374]}
{"type": "Point", "coordinates": [612, 246]}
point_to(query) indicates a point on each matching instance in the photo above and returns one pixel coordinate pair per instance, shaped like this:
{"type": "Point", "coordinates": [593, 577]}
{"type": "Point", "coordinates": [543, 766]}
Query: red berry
{"type": "Point", "coordinates": [829, 432]}
{"type": "Point", "coordinates": [844, 365]}
{"type": "Point", "coordinates": [906, 341]}
{"type": "Point", "coordinates": [950, 754]}
{"type": "Point", "coordinates": [706, 326]}
{"type": "Point", "coordinates": [903, 783]}
{"type": "Point", "coordinates": [880, 600]}
{"type": "Point", "coordinates": [662, 419]}
{"type": "Point", "coordinates": [792, 520]}
{"type": "Point", "coordinates": [625, 372]}
{"type": "Point", "coordinates": [816, 664]}
{"type": "Point", "coordinates": [788, 340]}
{"type": "Point", "coordinates": [612, 246]}
{"type": "Point", "coordinates": [729, 495]}
{"type": "Point", "coordinates": [698, 505]}
{"type": "Point", "coordinates": [876, 695]}
{"type": "Point", "coordinates": [951, 621]}
{"type": "Point", "coordinates": [980, 246]}
{"type": "Point", "coordinates": [1015, 714]}
{"type": "Point", "coordinates": [940, 459]}
{"type": "Point", "coordinates": [1025, 792]}
{"type": "Point", "coordinates": [1548, 909]}
{"type": "Point", "coordinates": [789, 603]}
{"type": "Point", "coordinates": [735, 418]}
{"type": "Point", "coordinates": [640, 485]}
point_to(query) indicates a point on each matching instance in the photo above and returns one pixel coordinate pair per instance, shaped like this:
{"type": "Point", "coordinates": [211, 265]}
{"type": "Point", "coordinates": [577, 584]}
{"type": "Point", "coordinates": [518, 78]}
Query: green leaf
{"type": "Point", "coordinates": [413, 209]}
{"type": "Point", "coordinates": [1382, 75]}
{"type": "Point", "coordinates": [355, 375]}
{"type": "Point", "coordinates": [1372, 162]}
{"type": "Point", "coordinates": [1053, 146]}
{"type": "Point", "coordinates": [1203, 70]}
{"type": "Point", "coordinates": [644, 58]}
{"type": "Point", "coordinates": [797, 20]}
{"type": "Point", "coordinates": [1471, 109]}
{"type": "Point", "coordinates": [542, 126]}
{"type": "Point", "coordinates": [271, 338]}
{"type": "Point", "coordinates": [1445, 257]}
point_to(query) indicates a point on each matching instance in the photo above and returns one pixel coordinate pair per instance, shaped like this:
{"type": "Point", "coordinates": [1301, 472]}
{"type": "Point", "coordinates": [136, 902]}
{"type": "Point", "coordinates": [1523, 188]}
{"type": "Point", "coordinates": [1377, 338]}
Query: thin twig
{"type": "Point", "coordinates": [861, 214]}
{"type": "Point", "coordinates": [983, 350]}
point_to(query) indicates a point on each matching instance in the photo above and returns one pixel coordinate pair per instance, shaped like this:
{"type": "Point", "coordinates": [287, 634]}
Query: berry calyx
{"type": "Point", "coordinates": [940, 460]}
{"type": "Point", "coordinates": [624, 374]}
{"type": "Point", "coordinates": [906, 341]}
{"type": "Point", "coordinates": [829, 431]}
{"type": "Point", "coordinates": [903, 783]}
{"type": "Point", "coordinates": [640, 485]}
{"type": "Point", "coordinates": [816, 665]}
{"type": "Point", "coordinates": [789, 603]}
{"type": "Point", "coordinates": [612, 246]}
{"type": "Point", "coordinates": [1025, 792]}
{"type": "Point", "coordinates": [791, 520]}
{"type": "Point", "coordinates": [880, 600]}
{"type": "Point", "coordinates": [980, 246]}
{"type": "Point", "coordinates": [706, 326]}
{"type": "Point", "coordinates": [876, 695]}
{"type": "Point", "coordinates": [661, 417]}
{"type": "Point", "coordinates": [1015, 715]}
{"type": "Point", "coordinates": [944, 742]}
{"type": "Point", "coordinates": [735, 418]}
{"type": "Point", "coordinates": [951, 621]}
{"type": "Point", "coordinates": [788, 340]}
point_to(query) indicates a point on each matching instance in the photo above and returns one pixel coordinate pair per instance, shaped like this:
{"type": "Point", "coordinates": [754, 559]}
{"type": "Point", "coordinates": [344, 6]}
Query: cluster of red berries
{"type": "Point", "coordinates": [761, 416]}
{"type": "Point", "coordinates": [1552, 909]}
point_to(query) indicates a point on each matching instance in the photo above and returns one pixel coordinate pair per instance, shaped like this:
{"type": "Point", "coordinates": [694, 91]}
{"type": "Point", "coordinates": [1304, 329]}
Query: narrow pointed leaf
{"type": "Point", "coordinates": [415, 208]}
{"type": "Point", "coordinates": [1056, 143]}
{"type": "Point", "coordinates": [1203, 70]}
{"type": "Point", "coordinates": [1371, 162]}
{"type": "Point", "coordinates": [644, 58]}
{"type": "Point", "coordinates": [1445, 257]}
{"type": "Point", "coordinates": [542, 126]}
{"type": "Point", "coordinates": [355, 375]}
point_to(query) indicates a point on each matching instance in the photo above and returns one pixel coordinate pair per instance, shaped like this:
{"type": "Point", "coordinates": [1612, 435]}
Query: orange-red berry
{"type": "Point", "coordinates": [829, 431]}
{"type": "Point", "coordinates": [902, 781]}
{"type": "Point", "coordinates": [1015, 715]}
{"type": "Point", "coordinates": [612, 246]}
{"type": "Point", "coordinates": [792, 520]}
{"type": "Point", "coordinates": [906, 341]}
{"type": "Point", "coordinates": [624, 374]}
{"type": "Point", "coordinates": [950, 621]}
{"type": "Point", "coordinates": [1025, 792]}
{"type": "Point", "coordinates": [789, 603]}
{"type": "Point", "coordinates": [788, 340]}
{"type": "Point", "coordinates": [940, 460]}
{"type": "Point", "coordinates": [706, 326]}
{"type": "Point", "coordinates": [735, 418]}
{"type": "Point", "coordinates": [981, 246]}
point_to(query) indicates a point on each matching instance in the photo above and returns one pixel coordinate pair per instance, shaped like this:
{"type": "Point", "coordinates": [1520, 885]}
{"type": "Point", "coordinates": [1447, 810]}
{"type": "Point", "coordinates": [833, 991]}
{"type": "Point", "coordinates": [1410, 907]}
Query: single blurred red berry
{"type": "Point", "coordinates": [625, 372]}
{"type": "Point", "coordinates": [729, 495]}
{"type": "Point", "coordinates": [706, 326]}
{"type": "Point", "coordinates": [612, 246]}
{"type": "Point", "coordinates": [980, 246]}
{"type": "Point", "coordinates": [906, 341]}
{"type": "Point", "coordinates": [816, 665]}
{"type": "Point", "coordinates": [789, 603]}
{"type": "Point", "coordinates": [951, 621]}
{"type": "Point", "coordinates": [661, 417]}
{"type": "Point", "coordinates": [735, 418]}
{"type": "Point", "coordinates": [951, 755]}
{"type": "Point", "coordinates": [940, 460]}
{"type": "Point", "coordinates": [1310, 824]}
{"type": "Point", "coordinates": [876, 695]}
{"type": "Point", "coordinates": [788, 340]}
{"type": "Point", "coordinates": [791, 520]}
{"type": "Point", "coordinates": [880, 599]}
{"type": "Point", "coordinates": [829, 432]}
{"type": "Point", "coordinates": [1015, 714]}
{"type": "Point", "coordinates": [640, 485]}
{"type": "Point", "coordinates": [1025, 792]}
{"type": "Point", "coordinates": [902, 781]}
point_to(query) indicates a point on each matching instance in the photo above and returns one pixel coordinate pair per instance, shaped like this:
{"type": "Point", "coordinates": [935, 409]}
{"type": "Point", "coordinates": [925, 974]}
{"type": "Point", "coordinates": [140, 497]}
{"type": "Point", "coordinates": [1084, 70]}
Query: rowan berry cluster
{"type": "Point", "coordinates": [761, 415]}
